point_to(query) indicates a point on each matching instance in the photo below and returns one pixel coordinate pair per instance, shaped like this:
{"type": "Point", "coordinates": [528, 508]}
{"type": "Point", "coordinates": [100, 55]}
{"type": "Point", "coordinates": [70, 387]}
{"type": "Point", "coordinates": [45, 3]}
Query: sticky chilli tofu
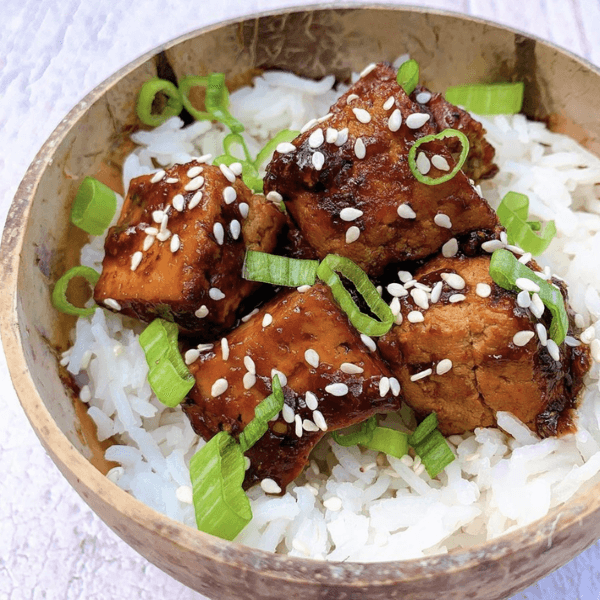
{"type": "Point", "coordinates": [347, 183]}
{"type": "Point", "coordinates": [179, 245]}
{"type": "Point", "coordinates": [330, 378]}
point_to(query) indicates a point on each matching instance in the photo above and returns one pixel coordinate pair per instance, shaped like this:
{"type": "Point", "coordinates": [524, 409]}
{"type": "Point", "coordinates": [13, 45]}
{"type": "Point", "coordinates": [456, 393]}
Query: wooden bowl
{"type": "Point", "coordinates": [39, 244]}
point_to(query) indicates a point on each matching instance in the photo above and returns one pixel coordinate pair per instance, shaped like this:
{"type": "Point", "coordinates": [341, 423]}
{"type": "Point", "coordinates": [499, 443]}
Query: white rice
{"type": "Point", "coordinates": [350, 504]}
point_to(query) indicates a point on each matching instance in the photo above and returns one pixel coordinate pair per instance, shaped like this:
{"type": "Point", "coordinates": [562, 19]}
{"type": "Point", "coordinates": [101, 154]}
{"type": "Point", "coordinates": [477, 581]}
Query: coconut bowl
{"type": "Point", "coordinates": [39, 244]}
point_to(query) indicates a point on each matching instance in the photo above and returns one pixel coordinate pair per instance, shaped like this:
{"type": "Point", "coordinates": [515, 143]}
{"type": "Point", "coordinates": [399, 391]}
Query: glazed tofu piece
{"type": "Point", "coordinates": [480, 161]}
{"type": "Point", "coordinates": [347, 184]}
{"type": "Point", "coordinates": [178, 248]}
{"type": "Point", "coordinates": [330, 380]}
{"type": "Point", "coordinates": [474, 351]}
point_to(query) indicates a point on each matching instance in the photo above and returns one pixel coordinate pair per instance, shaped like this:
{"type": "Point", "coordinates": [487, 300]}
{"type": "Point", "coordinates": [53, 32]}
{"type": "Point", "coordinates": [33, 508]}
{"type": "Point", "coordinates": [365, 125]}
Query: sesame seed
{"type": "Point", "coordinates": [395, 306]}
{"type": "Point", "coordinates": [351, 369]}
{"type": "Point", "coordinates": [350, 214]}
{"type": "Point", "coordinates": [384, 386]}
{"type": "Point", "coordinates": [367, 70]}
{"type": "Point", "coordinates": [298, 428]}
{"type": "Point", "coordinates": [421, 375]}
{"type": "Point", "coordinates": [398, 319]}
{"type": "Point", "coordinates": [312, 358]}
{"type": "Point", "coordinates": [216, 294]}
{"type": "Point", "coordinates": [274, 196]}
{"type": "Point", "coordinates": [337, 389]}
{"type": "Point", "coordinates": [362, 115]}
{"type": "Point", "coordinates": [504, 237]}
{"type": "Point", "coordinates": [524, 299]}
{"type": "Point", "coordinates": [455, 298]}
{"type": "Point", "coordinates": [394, 386]}
{"type": "Point", "coordinates": [439, 162]}
{"type": "Point", "coordinates": [521, 338]}
{"type": "Point", "coordinates": [316, 138]}
{"type": "Point", "coordinates": [225, 348]}
{"type": "Point", "coordinates": [269, 486]}
{"type": "Point", "coordinates": [331, 135]}
{"type": "Point", "coordinates": [526, 284]}
{"type": "Point", "coordinates": [191, 356]}
{"type": "Point", "coordinates": [205, 347]}
{"type": "Point", "coordinates": [227, 172]}
{"type": "Point", "coordinates": [333, 504]}
{"type": "Point", "coordinates": [85, 395]}
{"type": "Point", "coordinates": [157, 216]}
{"type": "Point", "coordinates": [204, 158]}
{"type": "Point", "coordinates": [443, 366]}
{"type": "Point", "coordinates": [184, 494]}
{"type": "Point", "coordinates": [194, 184]}
{"type": "Point", "coordinates": [318, 160]}
{"type": "Point", "coordinates": [287, 413]}
{"type": "Point", "coordinates": [571, 341]}
{"type": "Point", "coordinates": [342, 137]}
{"type": "Point", "coordinates": [319, 420]}
{"type": "Point", "coordinates": [417, 462]}
{"type": "Point", "coordinates": [136, 259]}
{"type": "Point", "coordinates": [388, 103]}
{"type": "Point", "coordinates": [395, 121]}
{"type": "Point", "coordinates": [588, 335]}
{"type": "Point", "coordinates": [235, 228]}
{"type": "Point", "coordinates": [410, 283]}
{"type": "Point", "coordinates": [267, 320]}
{"type": "Point", "coordinates": [218, 387]}
{"type": "Point", "coordinates": [553, 350]}
{"type": "Point", "coordinates": [406, 212]}
{"type": "Point", "coordinates": [148, 241]}
{"type": "Point", "coordinates": [249, 364]}
{"type": "Point", "coordinates": [359, 148]}
{"type": "Point", "coordinates": [492, 246]}
{"type": "Point", "coordinates": [423, 97]}
{"type": "Point", "coordinates": [579, 321]}
{"type": "Point", "coordinates": [246, 318]}
{"type": "Point", "coordinates": [164, 223]}
{"type": "Point", "coordinates": [515, 249]}
{"type": "Point", "coordinates": [303, 288]}
{"type": "Point", "coordinates": [308, 125]}
{"type": "Point", "coordinates": [542, 333]}
{"type": "Point", "coordinates": [351, 97]}
{"type": "Point", "coordinates": [249, 380]}
{"type": "Point", "coordinates": [397, 290]}
{"type": "Point", "coordinates": [423, 163]}
{"type": "Point", "coordinates": [172, 180]}
{"type": "Point", "coordinates": [151, 231]}
{"type": "Point", "coordinates": [537, 306]}
{"type": "Point", "coordinates": [379, 290]}
{"type": "Point", "coordinates": [454, 280]}
{"type": "Point", "coordinates": [112, 304]}
{"type": "Point", "coordinates": [229, 195]}
{"type": "Point", "coordinates": [244, 209]}
{"type": "Point", "coordinates": [416, 120]}
{"type": "Point", "coordinates": [404, 276]}
{"type": "Point", "coordinates": [194, 172]}
{"type": "Point", "coordinates": [422, 286]}
{"type": "Point", "coordinates": [414, 316]}
{"type": "Point", "coordinates": [282, 377]}
{"type": "Point", "coordinates": [436, 292]}
{"type": "Point", "coordinates": [352, 234]}
{"type": "Point", "coordinates": [202, 312]}
{"type": "Point", "coordinates": [158, 176]}
{"type": "Point", "coordinates": [285, 147]}
{"type": "Point", "coordinates": [407, 460]}
{"type": "Point", "coordinates": [236, 168]}
{"type": "Point", "coordinates": [420, 298]}
{"type": "Point", "coordinates": [175, 243]}
{"type": "Point", "coordinates": [308, 425]}
{"type": "Point", "coordinates": [594, 348]}
{"type": "Point", "coordinates": [312, 402]}
{"type": "Point", "coordinates": [247, 463]}
{"type": "Point", "coordinates": [368, 342]}
{"type": "Point", "coordinates": [442, 220]}
{"type": "Point", "coordinates": [178, 202]}
{"type": "Point", "coordinates": [195, 200]}
{"type": "Point", "coordinates": [420, 469]}
{"type": "Point", "coordinates": [219, 233]}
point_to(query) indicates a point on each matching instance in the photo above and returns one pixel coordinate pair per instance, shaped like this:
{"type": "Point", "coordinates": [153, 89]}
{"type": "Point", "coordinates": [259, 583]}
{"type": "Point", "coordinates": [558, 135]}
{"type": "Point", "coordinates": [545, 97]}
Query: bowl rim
{"type": "Point", "coordinates": [79, 468]}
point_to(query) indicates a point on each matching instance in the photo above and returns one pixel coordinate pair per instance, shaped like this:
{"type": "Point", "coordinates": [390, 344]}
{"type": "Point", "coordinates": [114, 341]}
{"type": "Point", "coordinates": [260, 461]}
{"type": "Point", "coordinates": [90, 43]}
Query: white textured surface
{"type": "Point", "coordinates": [51, 54]}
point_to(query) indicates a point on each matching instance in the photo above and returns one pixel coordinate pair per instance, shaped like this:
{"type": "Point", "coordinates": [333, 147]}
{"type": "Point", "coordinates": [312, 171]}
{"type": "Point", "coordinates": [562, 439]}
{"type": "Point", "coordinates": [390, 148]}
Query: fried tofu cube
{"type": "Point", "coordinates": [178, 248]}
{"type": "Point", "coordinates": [330, 380]}
{"type": "Point", "coordinates": [348, 186]}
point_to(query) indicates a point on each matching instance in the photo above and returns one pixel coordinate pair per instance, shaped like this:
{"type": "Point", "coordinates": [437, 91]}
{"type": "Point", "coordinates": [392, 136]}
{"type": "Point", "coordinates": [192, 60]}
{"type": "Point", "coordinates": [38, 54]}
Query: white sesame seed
{"type": "Point", "coordinates": [524, 299]}
{"type": "Point", "coordinates": [191, 356]}
{"type": "Point", "coordinates": [324, 118]}
{"type": "Point", "coordinates": [229, 195]}
{"type": "Point", "coordinates": [244, 209]}
{"type": "Point", "coordinates": [417, 462]}
{"type": "Point", "coordinates": [422, 286]}
{"type": "Point", "coordinates": [352, 234]}
{"type": "Point", "coordinates": [157, 216]}
{"type": "Point", "coordinates": [312, 402]}
{"type": "Point", "coordinates": [579, 321]}
{"type": "Point", "coordinates": [350, 214]}
{"type": "Point", "coordinates": [249, 380]}
{"type": "Point", "coordinates": [235, 228]}
{"type": "Point", "coordinates": [184, 494]}
{"type": "Point", "coordinates": [423, 97]}
{"type": "Point", "coordinates": [420, 298]}
{"type": "Point", "coordinates": [455, 298]}
{"type": "Point", "coordinates": [521, 338]}
{"type": "Point", "coordinates": [331, 135]}
{"type": "Point", "coordinates": [492, 245]}
{"type": "Point", "coordinates": [219, 233]}
{"type": "Point", "coordinates": [594, 348]}
{"type": "Point", "coordinates": [515, 249]}
{"type": "Point", "coordinates": [204, 158]}
{"type": "Point", "coordinates": [308, 425]}
{"type": "Point", "coordinates": [483, 290]}
{"type": "Point", "coordinates": [553, 350]}
{"type": "Point", "coordinates": [218, 387]}
{"type": "Point", "coordinates": [319, 420]}
{"type": "Point", "coordinates": [318, 160]}
{"type": "Point", "coordinates": [395, 121]}
{"type": "Point", "coordinates": [282, 377]}
{"type": "Point", "coordinates": [316, 138]}
{"type": "Point", "coordinates": [175, 243]}
{"type": "Point", "coordinates": [416, 120]}
{"type": "Point", "coordinates": [205, 347]}
{"type": "Point", "coordinates": [298, 427]}
{"type": "Point", "coordinates": [351, 369]}
{"type": "Point", "coordinates": [158, 176]}
{"type": "Point", "coordinates": [397, 290]}
{"type": "Point", "coordinates": [312, 358]}
{"type": "Point", "coordinates": [164, 223]}
{"type": "Point", "coordinates": [267, 320]}
{"type": "Point", "coordinates": [148, 241]}
{"type": "Point", "coordinates": [414, 316]}
{"type": "Point", "coordinates": [588, 335]}
{"type": "Point", "coordinates": [439, 162]}
{"type": "Point", "coordinates": [285, 147]}
{"type": "Point", "coordinates": [360, 149]}
{"type": "Point", "coordinates": [202, 312]}
{"type": "Point", "coordinates": [571, 341]}
{"type": "Point", "coordinates": [384, 386]}
{"type": "Point", "coordinates": [269, 486]}
{"type": "Point", "coordinates": [537, 306]}
{"type": "Point", "coordinates": [362, 115]}
{"type": "Point", "coordinates": [195, 200]}
{"type": "Point", "coordinates": [421, 375]}
{"type": "Point", "coordinates": [423, 163]}
{"type": "Point", "coordinates": [504, 237]}
{"type": "Point", "coordinates": [333, 504]}
{"type": "Point", "coordinates": [303, 288]}
{"type": "Point", "coordinates": [367, 70]}
{"type": "Point", "coordinates": [410, 283]}
{"type": "Point", "coordinates": [442, 220]}
{"type": "Point", "coordinates": [287, 413]}
{"type": "Point", "coordinates": [337, 389]}
{"type": "Point", "coordinates": [308, 125]}
{"type": "Point", "coordinates": [273, 196]}
{"type": "Point", "coordinates": [111, 303]}
{"type": "Point", "coordinates": [388, 103]}
{"type": "Point", "coordinates": [450, 248]}
{"type": "Point", "coordinates": [342, 137]}
{"type": "Point", "coordinates": [406, 212]}
{"type": "Point", "coordinates": [246, 318]}
{"type": "Point", "coordinates": [404, 276]}
{"type": "Point", "coordinates": [172, 180]}
{"type": "Point", "coordinates": [443, 366]}
{"type": "Point", "coordinates": [249, 364]}
{"type": "Point", "coordinates": [236, 168]}
{"type": "Point", "coordinates": [398, 319]}
{"type": "Point", "coordinates": [194, 184]}
{"type": "Point", "coordinates": [395, 306]}
{"type": "Point", "coordinates": [454, 280]}
{"type": "Point", "coordinates": [407, 460]}
{"type": "Point", "coordinates": [368, 342]}
{"type": "Point", "coordinates": [151, 231]}
{"type": "Point", "coordinates": [225, 348]}
{"type": "Point", "coordinates": [136, 259]}
{"type": "Point", "coordinates": [436, 292]}
{"type": "Point", "coordinates": [525, 258]}
{"type": "Point", "coordinates": [394, 386]}
{"type": "Point", "coordinates": [85, 394]}
{"type": "Point", "coordinates": [420, 470]}
{"type": "Point", "coordinates": [178, 202]}
{"type": "Point", "coordinates": [542, 333]}
{"type": "Point", "coordinates": [227, 172]}
{"type": "Point", "coordinates": [194, 172]}
{"type": "Point", "coordinates": [351, 98]}
{"type": "Point", "coordinates": [216, 294]}
{"type": "Point", "coordinates": [526, 284]}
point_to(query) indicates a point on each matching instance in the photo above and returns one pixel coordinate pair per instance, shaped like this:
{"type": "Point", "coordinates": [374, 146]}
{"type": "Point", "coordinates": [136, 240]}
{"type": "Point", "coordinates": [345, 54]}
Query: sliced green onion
{"type": "Point", "coordinates": [389, 441]}
{"type": "Point", "coordinates": [250, 175]}
{"type": "Point", "coordinates": [286, 135]}
{"type": "Point", "coordinates": [146, 97]}
{"type": "Point", "coordinates": [505, 269]}
{"type": "Point", "coordinates": [488, 99]}
{"type": "Point", "coordinates": [217, 101]}
{"type": "Point", "coordinates": [363, 436]}
{"type": "Point", "coordinates": [217, 472]}
{"type": "Point", "coordinates": [279, 270]}
{"type": "Point", "coordinates": [412, 156]}
{"type": "Point", "coordinates": [425, 428]}
{"type": "Point", "coordinates": [431, 446]}
{"type": "Point", "coordinates": [168, 375]}
{"type": "Point", "coordinates": [236, 138]}
{"type": "Point", "coordinates": [59, 294]}
{"type": "Point", "coordinates": [268, 409]}
{"type": "Point", "coordinates": [185, 86]}
{"type": "Point", "coordinates": [512, 212]}
{"type": "Point", "coordinates": [94, 207]}
{"type": "Point", "coordinates": [364, 323]}
{"type": "Point", "coordinates": [408, 76]}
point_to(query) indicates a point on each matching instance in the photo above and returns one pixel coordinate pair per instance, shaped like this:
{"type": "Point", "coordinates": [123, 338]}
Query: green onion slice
{"type": "Point", "coordinates": [146, 97]}
{"type": "Point", "coordinates": [263, 413]}
{"type": "Point", "coordinates": [286, 135]}
{"type": "Point", "coordinates": [412, 154]}
{"type": "Point", "coordinates": [389, 441]}
{"type": "Point", "coordinates": [426, 427]}
{"type": "Point", "coordinates": [505, 269]}
{"type": "Point", "coordinates": [250, 175]}
{"type": "Point", "coordinates": [363, 436]}
{"type": "Point", "coordinates": [185, 86]}
{"type": "Point", "coordinates": [94, 207]}
{"type": "Point", "coordinates": [431, 446]}
{"type": "Point", "coordinates": [217, 472]}
{"type": "Point", "coordinates": [59, 294]}
{"type": "Point", "coordinates": [408, 76]}
{"type": "Point", "coordinates": [488, 99]}
{"type": "Point", "coordinates": [168, 376]}
{"type": "Point", "coordinates": [236, 138]}
{"type": "Point", "coordinates": [326, 271]}
{"type": "Point", "coordinates": [217, 102]}
{"type": "Point", "coordinates": [512, 212]}
{"type": "Point", "coordinates": [279, 270]}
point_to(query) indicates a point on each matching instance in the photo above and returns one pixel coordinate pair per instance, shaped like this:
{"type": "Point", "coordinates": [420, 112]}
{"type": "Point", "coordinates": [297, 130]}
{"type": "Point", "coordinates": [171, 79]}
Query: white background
{"type": "Point", "coordinates": [52, 53]}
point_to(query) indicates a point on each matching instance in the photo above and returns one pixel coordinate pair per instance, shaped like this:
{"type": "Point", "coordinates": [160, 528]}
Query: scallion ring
{"type": "Point", "coordinates": [279, 270]}
{"type": "Point", "coordinates": [217, 102]}
{"type": "Point", "coordinates": [488, 99]}
{"type": "Point", "coordinates": [186, 84]}
{"type": "Point", "coordinates": [431, 446]}
{"type": "Point", "coordinates": [286, 135]}
{"type": "Point", "coordinates": [408, 76]}
{"type": "Point", "coordinates": [363, 436]}
{"type": "Point", "coordinates": [146, 97]}
{"type": "Point", "coordinates": [59, 293]}
{"type": "Point", "coordinates": [94, 207]}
